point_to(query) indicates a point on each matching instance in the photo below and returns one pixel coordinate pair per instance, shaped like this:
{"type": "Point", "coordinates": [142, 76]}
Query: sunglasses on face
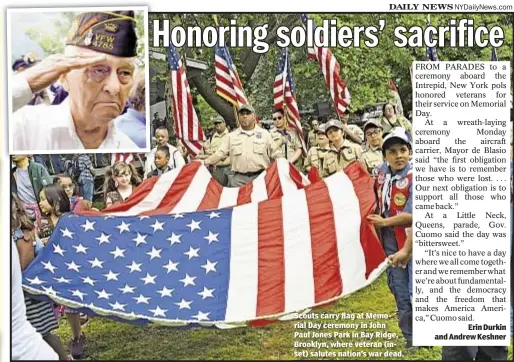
{"type": "Point", "coordinates": [245, 113]}
{"type": "Point", "coordinates": [101, 72]}
{"type": "Point", "coordinates": [277, 118]}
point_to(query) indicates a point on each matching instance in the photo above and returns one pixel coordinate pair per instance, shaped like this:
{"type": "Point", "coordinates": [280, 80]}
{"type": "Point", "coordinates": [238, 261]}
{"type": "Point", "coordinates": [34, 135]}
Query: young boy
{"type": "Point", "coordinates": [394, 190]}
{"type": "Point", "coordinates": [161, 160]}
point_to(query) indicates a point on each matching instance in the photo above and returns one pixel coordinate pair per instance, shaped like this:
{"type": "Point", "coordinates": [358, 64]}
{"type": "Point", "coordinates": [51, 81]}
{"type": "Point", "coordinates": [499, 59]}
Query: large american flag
{"type": "Point", "coordinates": [228, 84]}
{"type": "Point", "coordinates": [330, 68]}
{"type": "Point", "coordinates": [309, 246]}
{"type": "Point", "coordinates": [187, 126]}
{"type": "Point", "coordinates": [284, 96]}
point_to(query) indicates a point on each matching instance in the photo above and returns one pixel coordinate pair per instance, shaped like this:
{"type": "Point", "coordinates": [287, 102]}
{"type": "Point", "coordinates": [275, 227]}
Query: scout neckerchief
{"type": "Point", "coordinates": [386, 190]}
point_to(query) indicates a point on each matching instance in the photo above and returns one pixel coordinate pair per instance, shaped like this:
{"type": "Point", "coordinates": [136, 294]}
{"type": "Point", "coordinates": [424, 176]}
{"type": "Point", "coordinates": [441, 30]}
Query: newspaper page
{"type": "Point", "coordinates": [258, 181]}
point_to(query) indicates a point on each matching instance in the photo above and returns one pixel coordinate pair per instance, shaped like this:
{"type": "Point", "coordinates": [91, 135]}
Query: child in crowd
{"type": "Point", "coordinates": [54, 202]}
{"type": "Point", "coordinates": [394, 190]}
{"type": "Point", "coordinates": [120, 182]}
{"type": "Point", "coordinates": [69, 188]}
{"type": "Point", "coordinates": [161, 160]}
{"type": "Point", "coordinates": [39, 313]}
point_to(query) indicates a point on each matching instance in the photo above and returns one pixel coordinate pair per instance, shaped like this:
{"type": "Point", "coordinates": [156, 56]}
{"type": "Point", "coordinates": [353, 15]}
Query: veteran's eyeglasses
{"type": "Point", "coordinates": [100, 72]}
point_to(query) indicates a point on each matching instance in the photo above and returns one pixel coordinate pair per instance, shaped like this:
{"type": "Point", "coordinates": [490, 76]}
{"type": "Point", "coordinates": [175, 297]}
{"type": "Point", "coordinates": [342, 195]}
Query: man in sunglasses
{"type": "Point", "coordinates": [251, 149]}
{"type": "Point", "coordinates": [97, 70]}
{"type": "Point", "coordinates": [372, 157]}
{"type": "Point", "coordinates": [286, 139]}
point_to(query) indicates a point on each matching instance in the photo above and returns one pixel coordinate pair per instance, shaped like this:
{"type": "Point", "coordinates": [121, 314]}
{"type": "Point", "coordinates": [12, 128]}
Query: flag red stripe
{"type": "Point", "coordinates": [325, 260]}
{"type": "Point", "coordinates": [272, 181]}
{"type": "Point", "coordinates": [212, 196]}
{"type": "Point", "coordinates": [137, 196]}
{"type": "Point", "coordinates": [363, 186]}
{"type": "Point", "coordinates": [176, 191]}
{"type": "Point", "coordinates": [296, 176]}
{"type": "Point", "coordinates": [244, 195]}
{"type": "Point", "coordinates": [271, 272]}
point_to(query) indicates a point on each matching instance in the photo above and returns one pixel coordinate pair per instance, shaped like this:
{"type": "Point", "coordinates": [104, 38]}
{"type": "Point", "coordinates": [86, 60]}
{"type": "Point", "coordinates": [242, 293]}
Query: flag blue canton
{"type": "Point", "coordinates": [224, 53]}
{"type": "Point", "coordinates": [173, 58]}
{"type": "Point", "coordinates": [170, 267]}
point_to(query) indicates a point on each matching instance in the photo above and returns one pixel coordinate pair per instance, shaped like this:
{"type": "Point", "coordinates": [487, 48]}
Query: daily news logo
{"type": "Point", "coordinates": [423, 7]}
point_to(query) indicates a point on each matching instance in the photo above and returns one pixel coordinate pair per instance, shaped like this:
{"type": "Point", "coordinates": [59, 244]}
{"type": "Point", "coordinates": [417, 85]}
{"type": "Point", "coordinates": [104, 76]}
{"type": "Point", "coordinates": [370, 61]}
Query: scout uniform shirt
{"type": "Point", "coordinates": [249, 151]}
{"type": "Point", "coordinates": [313, 138]}
{"type": "Point", "coordinates": [401, 121]}
{"type": "Point", "coordinates": [394, 193]}
{"type": "Point", "coordinates": [372, 158]}
{"type": "Point", "coordinates": [337, 159]}
{"type": "Point", "coordinates": [287, 141]}
{"type": "Point", "coordinates": [211, 146]}
{"type": "Point", "coordinates": [316, 157]}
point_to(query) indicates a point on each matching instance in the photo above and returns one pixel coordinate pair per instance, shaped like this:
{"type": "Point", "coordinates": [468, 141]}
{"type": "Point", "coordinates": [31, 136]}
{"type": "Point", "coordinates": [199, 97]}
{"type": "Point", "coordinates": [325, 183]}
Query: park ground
{"type": "Point", "coordinates": [107, 339]}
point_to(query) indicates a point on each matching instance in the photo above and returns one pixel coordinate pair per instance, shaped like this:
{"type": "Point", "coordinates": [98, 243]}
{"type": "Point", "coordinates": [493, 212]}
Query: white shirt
{"type": "Point", "coordinates": [26, 343]}
{"type": "Point", "coordinates": [176, 159]}
{"type": "Point", "coordinates": [50, 127]}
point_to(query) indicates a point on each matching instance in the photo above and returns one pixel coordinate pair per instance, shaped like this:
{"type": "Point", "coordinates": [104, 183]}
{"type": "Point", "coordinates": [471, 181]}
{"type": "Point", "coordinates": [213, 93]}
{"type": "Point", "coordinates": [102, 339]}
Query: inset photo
{"type": "Point", "coordinates": [79, 80]}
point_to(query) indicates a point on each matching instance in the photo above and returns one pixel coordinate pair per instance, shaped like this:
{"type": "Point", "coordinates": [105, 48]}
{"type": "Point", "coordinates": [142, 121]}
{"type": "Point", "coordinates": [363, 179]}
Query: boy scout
{"type": "Point", "coordinates": [372, 157]}
{"type": "Point", "coordinates": [221, 170]}
{"type": "Point", "coordinates": [342, 152]}
{"type": "Point", "coordinates": [312, 136]}
{"type": "Point", "coordinates": [316, 155]}
{"type": "Point", "coordinates": [394, 190]}
{"type": "Point", "coordinates": [251, 149]}
{"type": "Point", "coordinates": [286, 139]}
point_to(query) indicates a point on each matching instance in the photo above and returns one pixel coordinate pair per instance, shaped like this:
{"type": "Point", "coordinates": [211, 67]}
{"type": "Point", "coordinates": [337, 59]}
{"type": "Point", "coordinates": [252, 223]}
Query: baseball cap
{"type": "Point", "coordinates": [105, 32]}
{"type": "Point", "coordinates": [247, 107]}
{"type": "Point", "coordinates": [396, 134]}
{"type": "Point", "coordinates": [219, 119]}
{"type": "Point", "coordinates": [372, 123]}
{"type": "Point", "coordinates": [333, 123]}
{"type": "Point", "coordinates": [26, 61]}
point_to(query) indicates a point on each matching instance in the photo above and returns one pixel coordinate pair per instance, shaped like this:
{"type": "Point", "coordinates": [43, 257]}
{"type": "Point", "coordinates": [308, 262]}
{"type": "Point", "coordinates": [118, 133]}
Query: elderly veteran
{"type": "Point", "coordinates": [97, 71]}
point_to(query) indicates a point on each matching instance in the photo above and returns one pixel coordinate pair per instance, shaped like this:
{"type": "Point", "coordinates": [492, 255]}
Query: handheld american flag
{"type": "Point", "coordinates": [187, 126]}
{"type": "Point", "coordinates": [258, 260]}
{"type": "Point", "coordinates": [228, 84]}
{"type": "Point", "coordinates": [330, 68]}
{"type": "Point", "coordinates": [122, 157]}
{"type": "Point", "coordinates": [284, 96]}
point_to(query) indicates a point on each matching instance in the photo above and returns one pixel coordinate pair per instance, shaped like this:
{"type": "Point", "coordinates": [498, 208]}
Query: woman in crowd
{"type": "Point", "coordinates": [40, 314]}
{"type": "Point", "coordinates": [390, 119]}
{"type": "Point", "coordinates": [120, 182]}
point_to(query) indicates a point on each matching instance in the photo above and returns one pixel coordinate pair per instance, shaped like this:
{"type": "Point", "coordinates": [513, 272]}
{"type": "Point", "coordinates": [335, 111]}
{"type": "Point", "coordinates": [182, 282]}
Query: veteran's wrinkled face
{"type": "Point", "coordinates": [98, 93]}
{"type": "Point", "coordinates": [247, 119]}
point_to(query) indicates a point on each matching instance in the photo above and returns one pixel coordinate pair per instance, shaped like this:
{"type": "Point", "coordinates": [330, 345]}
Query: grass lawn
{"type": "Point", "coordinates": [107, 339]}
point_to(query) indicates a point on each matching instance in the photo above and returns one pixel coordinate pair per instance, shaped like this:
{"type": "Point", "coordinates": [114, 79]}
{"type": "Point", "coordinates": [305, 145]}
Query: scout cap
{"type": "Point", "coordinates": [397, 135]}
{"type": "Point", "coordinates": [372, 123]}
{"type": "Point", "coordinates": [219, 119]}
{"type": "Point", "coordinates": [333, 123]}
{"type": "Point", "coordinates": [321, 128]}
{"type": "Point", "coordinates": [110, 32]}
{"type": "Point", "coordinates": [247, 107]}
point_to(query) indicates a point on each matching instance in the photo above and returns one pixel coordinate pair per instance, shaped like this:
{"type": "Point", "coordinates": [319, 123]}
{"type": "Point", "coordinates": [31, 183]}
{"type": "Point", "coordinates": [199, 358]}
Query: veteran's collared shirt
{"type": "Point", "coordinates": [51, 127]}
